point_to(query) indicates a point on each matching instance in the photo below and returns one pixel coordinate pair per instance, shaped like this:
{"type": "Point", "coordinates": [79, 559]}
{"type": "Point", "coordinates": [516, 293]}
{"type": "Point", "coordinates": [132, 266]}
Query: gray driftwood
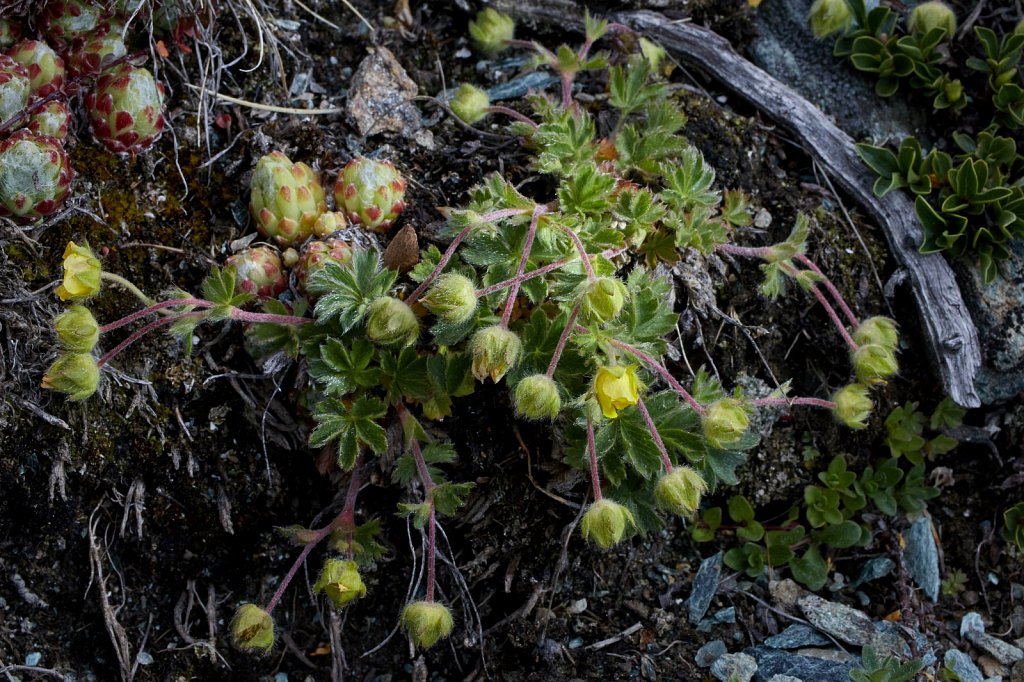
{"type": "Point", "coordinates": [948, 329]}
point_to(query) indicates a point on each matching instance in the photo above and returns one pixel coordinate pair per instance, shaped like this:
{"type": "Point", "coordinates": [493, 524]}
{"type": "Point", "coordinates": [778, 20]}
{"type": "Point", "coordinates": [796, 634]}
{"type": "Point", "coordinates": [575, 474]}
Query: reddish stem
{"type": "Point", "coordinates": [562, 340]}
{"type": "Point", "coordinates": [840, 301]}
{"type": "Point", "coordinates": [139, 314]}
{"type": "Point", "coordinates": [450, 251]}
{"type": "Point", "coordinates": [834, 317]}
{"type": "Point", "coordinates": [431, 547]}
{"type": "Point", "coordinates": [582, 251]}
{"type": "Point", "coordinates": [595, 480]}
{"type": "Point", "coordinates": [655, 435]}
{"type": "Point", "coordinates": [244, 316]}
{"type": "Point", "coordinates": [428, 485]}
{"type": "Point", "coordinates": [527, 247]}
{"type": "Point", "coordinates": [511, 113]}
{"type": "Point", "coordinates": [659, 369]}
{"type": "Point", "coordinates": [139, 333]}
{"type": "Point", "coordinates": [812, 402]}
{"type": "Point", "coordinates": [347, 516]}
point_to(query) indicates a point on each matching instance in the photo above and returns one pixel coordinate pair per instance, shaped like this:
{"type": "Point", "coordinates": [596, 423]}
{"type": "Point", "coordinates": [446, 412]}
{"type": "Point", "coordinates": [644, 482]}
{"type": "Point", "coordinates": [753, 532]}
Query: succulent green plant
{"type": "Point", "coordinates": [64, 20]}
{"type": "Point", "coordinates": [126, 109]}
{"type": "Point", "coordinates": [51, 119]}
{"type": "Point", "coordinates": [35, 176]}
{"type": "Point", "coordinates": [286, 199]}
{"type": "Point", "coordinates": [45, 68]}
{"type": "Point", "coordinates": [372, 193]}
{"type": "Point", "coordinates": [89, 55]}
{"type": "Point", "coordinates": [259, 271]}
{"type": "Point", "coordinates": [15, 88]}
{"type": "Point", "coordinates": [318, 254]}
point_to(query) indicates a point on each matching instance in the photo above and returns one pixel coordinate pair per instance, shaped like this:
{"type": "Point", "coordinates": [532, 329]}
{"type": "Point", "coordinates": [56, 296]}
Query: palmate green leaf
{"type": "Point", "coordinates": [629, 88]}
{"type": "Point", "coordinates": [429, 259]}
{"type": "Point", "coordinates": [638, 208]}
{"type": "Point", "coordinates": [736, 208]}
{"type": "Point", "coordinates": [566, 140]}
{"type": "Point", "coordinates": [341, 368]}
{"type": "Point", "coordinates": [351, 426]}
{"type": "Point", "coordinates": [496, 193]}
{"type": "Point", "coordinates": [346, 291]}
{"type": "Point", "coordinates": [630, 436]}
{"type": "Point", "coordinates": [659, 246]}
{"type": "Point", "coordinates": [645, 319]}
{"type": "Point", "coordinates": [448, 497]}
{"type": "Point", "coordinates": [419, 511]}
{"type": "Point", "coordinates": [679, 426]}
{"type": "Point", "coordinates": [434, 453]}
{"type": "Point", "coordinates": [586, 191]}
{"type": "Point", "coordinates": [688, 182]}
{"type": "Point", "coordinates": [635, 492]}
{"type": "Point", "coordinates": [362, 542]}
{"type": "Point", "coordinates": [404, 375]}
{"type": "Point", "coordinates": [219, 287]}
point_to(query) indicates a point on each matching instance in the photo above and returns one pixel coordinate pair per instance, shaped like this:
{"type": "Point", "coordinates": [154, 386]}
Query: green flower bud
{"type": "Point", "coordinates": [75, 374]}
{"type": "Point", "coordinates": [601, 300]}
{"type": "Point", "coordinates": [853, 405]}
{"type": "Point", "coordinates": [495, 351]}
{"type": "Point", "coordinates": [77, 329]}
{"type": "Point", "coordinates": [605, 523]}
{"type": "Point", "coordinates": [829, 16]}
{"type": "Point", "coordinates": [932, 14]}
{"type": "Point", "coordinates": [680, 491]}
{"type": "Point", "coordinates": [391, 322]}
{"type": "Point", "coordinates": [452, 298]}
{"type": "Point", "coordinates": [874, 363]}
{"type": "Point", "coordinates": [537, 397]}
{"type": "Point", "coordinates": [252, 628]}
{"type": "Point", "coordinates": [427, 622]}
{"type": "Point", "coordinates": [491, 31]}
{"type": "Point", "coordinates": [725, 422]}
{"type": "Point", "coordinates": [340, 581]}
{"type": "Point", "coordinates": [878, 330]}
{"type": "Point", "coordinates": [470, 103]}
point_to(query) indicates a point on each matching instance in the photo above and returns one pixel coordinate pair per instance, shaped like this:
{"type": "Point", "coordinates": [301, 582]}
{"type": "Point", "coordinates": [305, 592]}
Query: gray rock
{"type": "Point", "coordinates": [840, 621]}
{"type": "Point", "coordinates": [785, 593]}
{"type": "Point", "coordinates": [961, 664]}
{"type": "Point", "coordinates": [772, 662]}
{"type": "Point", "coordinates": [709, 653]}
{"type": "Point", "coordinates": [734, 668]}
{"type": "Point", "coordinates": [380, 97]}
{"type": "Point", "coordinates": [518, 87]}
{"type": "Point", "coordinates": [971, 622]}
{"type": "Point", "coordinates": [922, 557]}
{"type": "Point", "coordinates": [784, 678]}
{"type": "Point", "coordinates": [1005, 653]}
{"type": "Point", "coordinates": [796, 636]}
{"type": "Point", "coordinates": [726, 615]}
{"type": "Point", "coordinates": [705, 583]}
{"type": "Point", "coordinates": [873, 569]}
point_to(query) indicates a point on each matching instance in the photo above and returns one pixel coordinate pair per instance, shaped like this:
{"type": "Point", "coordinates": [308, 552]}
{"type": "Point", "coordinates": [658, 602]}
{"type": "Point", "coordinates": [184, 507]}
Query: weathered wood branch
{"type": "Point", "coordinates": [946, 323]}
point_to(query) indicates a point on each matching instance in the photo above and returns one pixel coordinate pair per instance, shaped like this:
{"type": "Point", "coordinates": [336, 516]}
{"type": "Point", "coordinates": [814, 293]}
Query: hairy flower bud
{"type": "Point", "coordinates": [470, 103]}
{"type": "Point", "coordinates": [390, 322]}
{"type": "Point", "coordinates": [252, 628]}
{"type": "Point", "coordinates": [932, 14]}
{"type": "Point", "coordinates": [874, 363]}
{"type": "Point", "coordinates": [616, 388]}
{"type": "Point", "coordinates": [725, 422]}
{"type": "Point", "coordinates": [601, 300]}
{"type": "Point", "coordinates": [495, 351]}
{"type": "Point", "coordinates": [77, 329]}
{"type": "Point", "coordinates": [680, 491]}
{"type": "Point", "coordinates": [427, 622]}
{"type": "Point", "coordinates": [853, 405]}
{"type": "Point", "coordinates": [491, 31]}
{"type": "Point", "coordinates": [878, 330]}
{"type": "Point", "coordinates": [452, 298]}
{"type": "Point", "coordinates": [75, 374]}
{"type": "Point", "coordinates": [81, 273]}
{"type": "Point", "coordinates": [340, 581]}
{"type": "Point", "coordinates": [536, 397]}
{"type": "Point", "coordinates": [605, 521]}
{"type": "Point", "coordinates": [829, 16]}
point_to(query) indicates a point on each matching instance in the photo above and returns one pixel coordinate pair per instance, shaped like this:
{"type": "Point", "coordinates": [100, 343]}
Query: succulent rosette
{"type": "Point", "coordinates": [126, 109]}
{"type": "Point", "coordinates": [64, 20]}
{"type": "Point", "coordinates": [259, 271]}
{"type": "Point", "coordinates": [15, 87]}
{"type": "Point", "coordinates": [10, 33]}
{"type": "Point", "coordinates": [90, 54]}
{"type": "Point", "coordinates": [45, 68]}
{"type": "Point", "coordinates": [319, 254]}
{"type": "Point", "coordinates": [372, 193]}
{"type": "Point", "coordinates": [50, 119]}
{"type": "Point", "coordinates": [35, 176]}
{"type": "Point", "coordinates": [286, 200]}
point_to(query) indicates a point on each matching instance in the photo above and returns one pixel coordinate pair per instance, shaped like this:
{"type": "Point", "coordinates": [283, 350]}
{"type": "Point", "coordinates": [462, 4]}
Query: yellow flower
{"type": "Point", "coordinates": [617, 388]}
{"type": "Point", "coordinates": [81, 273]}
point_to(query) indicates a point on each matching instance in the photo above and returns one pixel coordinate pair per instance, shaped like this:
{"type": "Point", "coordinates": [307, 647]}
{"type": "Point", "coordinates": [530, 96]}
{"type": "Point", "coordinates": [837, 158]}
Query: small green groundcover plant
{"type": "Point", "coordinates": [551, 295]}
{"type": "Point", "coordinates": [830, 517]}
{"type": "Point", "coordinates": [969, 200]}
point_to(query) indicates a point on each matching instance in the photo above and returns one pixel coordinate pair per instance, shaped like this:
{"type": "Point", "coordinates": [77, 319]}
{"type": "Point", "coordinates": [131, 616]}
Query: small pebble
{"type": "Point", "coordinates": [33, 658]}
{"type": "Point", "coordinates": [709, 653]}
{"type": "Point", "coordinates": [144, 658]}
{"type": "Point", "coordinates": [578, 606]}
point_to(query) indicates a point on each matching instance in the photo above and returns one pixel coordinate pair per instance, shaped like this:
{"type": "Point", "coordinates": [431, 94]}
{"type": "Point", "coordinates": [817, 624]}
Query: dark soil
{"type": "Point", "coordinates": [184, 464]}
